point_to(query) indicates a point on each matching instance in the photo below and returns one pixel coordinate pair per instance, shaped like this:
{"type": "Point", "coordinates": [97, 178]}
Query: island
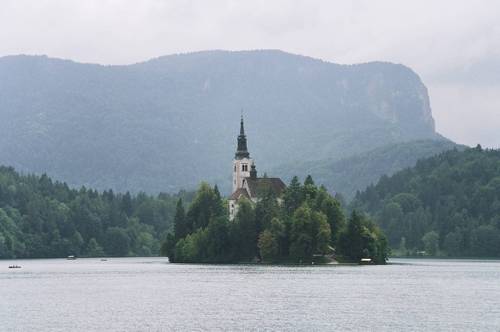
{"type": "Point", "coordinates": [266, 221]}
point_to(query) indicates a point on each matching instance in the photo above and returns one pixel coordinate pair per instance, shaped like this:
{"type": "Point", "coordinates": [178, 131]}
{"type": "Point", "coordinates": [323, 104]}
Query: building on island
{"type": "Point", "coordinates": [245, 181]}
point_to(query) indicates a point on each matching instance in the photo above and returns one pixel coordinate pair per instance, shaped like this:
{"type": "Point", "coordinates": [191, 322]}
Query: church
{"type": "Point", "coordinates": [245, 181]}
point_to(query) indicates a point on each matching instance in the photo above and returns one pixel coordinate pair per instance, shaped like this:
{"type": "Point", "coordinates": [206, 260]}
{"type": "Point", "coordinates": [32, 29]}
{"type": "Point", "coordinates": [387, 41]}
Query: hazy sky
{"type": "Point", "coordinates": [453, 45]}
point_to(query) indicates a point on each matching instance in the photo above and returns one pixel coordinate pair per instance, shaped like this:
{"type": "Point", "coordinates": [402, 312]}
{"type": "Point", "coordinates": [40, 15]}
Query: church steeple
{"type": "Point", "coordinates": [242, 127]}
{"type": "Point", "coordinates": [242, 151]}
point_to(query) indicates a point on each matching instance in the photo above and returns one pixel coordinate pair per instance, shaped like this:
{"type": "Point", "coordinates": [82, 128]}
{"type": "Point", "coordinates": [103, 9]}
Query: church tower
{"type": "Point", "coordinates": [242, 162]}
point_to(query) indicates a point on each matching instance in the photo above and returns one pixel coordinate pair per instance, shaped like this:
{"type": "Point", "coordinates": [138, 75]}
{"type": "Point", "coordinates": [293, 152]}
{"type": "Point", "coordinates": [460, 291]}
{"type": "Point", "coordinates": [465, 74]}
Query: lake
{"type": "Point", "coordinates": [149, 294]}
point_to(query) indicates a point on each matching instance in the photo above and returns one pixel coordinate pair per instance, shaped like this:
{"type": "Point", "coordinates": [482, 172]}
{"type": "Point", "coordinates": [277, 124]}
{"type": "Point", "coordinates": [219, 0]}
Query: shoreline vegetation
{"type": "Point", "coordinates": [41, 218]}
{"type": "Point", "coordinates": [306, 225]}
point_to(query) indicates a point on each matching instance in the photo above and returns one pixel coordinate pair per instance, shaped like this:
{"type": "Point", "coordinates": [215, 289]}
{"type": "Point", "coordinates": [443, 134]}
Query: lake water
{"type": "Point", "coordinates": [149, 294]}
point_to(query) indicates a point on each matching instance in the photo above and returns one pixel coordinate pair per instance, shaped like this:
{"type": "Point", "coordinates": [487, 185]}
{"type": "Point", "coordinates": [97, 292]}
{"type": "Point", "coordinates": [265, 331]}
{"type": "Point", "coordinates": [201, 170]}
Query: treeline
{"type": "Point", "coordinates": [445, 205]}
{"type": "Point", "coordinates": [304, 225]}
{"type": "Point", "coordinates": [43, 218]}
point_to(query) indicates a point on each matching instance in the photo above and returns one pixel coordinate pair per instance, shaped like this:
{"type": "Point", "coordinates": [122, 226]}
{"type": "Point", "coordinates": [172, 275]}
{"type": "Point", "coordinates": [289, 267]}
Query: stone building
{"type": "Point", "coordinates": [245, 181]}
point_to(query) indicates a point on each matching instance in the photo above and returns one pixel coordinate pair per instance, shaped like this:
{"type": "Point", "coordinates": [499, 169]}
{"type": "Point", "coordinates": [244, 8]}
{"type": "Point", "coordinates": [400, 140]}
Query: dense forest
{"type": "Point", "coordinates": [43, 218]}
{"type": "Point", "coordinates": [445, 205]}
{"type": "Point", "coordinates": [305, 225]}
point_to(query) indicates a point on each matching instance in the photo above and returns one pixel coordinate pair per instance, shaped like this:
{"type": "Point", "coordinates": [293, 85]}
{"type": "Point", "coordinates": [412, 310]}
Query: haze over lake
{"type": "Point", "coordinates": [151, 294]}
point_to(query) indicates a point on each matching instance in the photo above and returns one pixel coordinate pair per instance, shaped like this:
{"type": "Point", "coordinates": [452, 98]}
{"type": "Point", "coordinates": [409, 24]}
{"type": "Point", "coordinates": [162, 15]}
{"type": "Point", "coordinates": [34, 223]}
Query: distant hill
{"type": "Point", "coordinates": [170, 122]}
{"type": "Point", "coordinates": [348, 175]}
{"type": "Point", "coordinates": [448, 204]}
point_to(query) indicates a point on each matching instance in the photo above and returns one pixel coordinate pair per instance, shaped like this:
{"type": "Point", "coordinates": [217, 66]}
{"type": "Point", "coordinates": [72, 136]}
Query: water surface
{"type": "Point", "coordinates": [149, 294]}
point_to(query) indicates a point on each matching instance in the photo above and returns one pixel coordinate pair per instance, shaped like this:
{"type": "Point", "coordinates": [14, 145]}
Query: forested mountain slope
{"type": "Point", "coordinates": [168, 123]}
{"type": "Point", "coordinates": [348, 175]}
{"type": "Point", "coordinates": [448, 204]}
{"type": "Point", "coordinates": [43, 218]}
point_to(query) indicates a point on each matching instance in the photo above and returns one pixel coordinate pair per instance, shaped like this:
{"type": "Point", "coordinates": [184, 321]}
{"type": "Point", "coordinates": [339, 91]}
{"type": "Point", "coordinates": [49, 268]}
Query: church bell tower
{"type": "Point", "coordinates": [242, 162]}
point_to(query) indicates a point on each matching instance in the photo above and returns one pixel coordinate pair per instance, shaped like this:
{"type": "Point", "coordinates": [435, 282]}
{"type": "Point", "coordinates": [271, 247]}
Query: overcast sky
{"type": "Point", "coordinates": [453, 45]}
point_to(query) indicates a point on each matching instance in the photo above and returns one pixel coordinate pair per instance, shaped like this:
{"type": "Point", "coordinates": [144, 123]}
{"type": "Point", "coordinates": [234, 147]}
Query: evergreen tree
{"type": "Point", "coordinates": [180, 224]}
{"type": "Point", "coordinates": [206, 205]}
{"type": "Point", "coordinates": [356, 241]}
{"type": "Point", "coordinates": [293, 196]}
{"type": "Point", "coordinates": [245, 231]}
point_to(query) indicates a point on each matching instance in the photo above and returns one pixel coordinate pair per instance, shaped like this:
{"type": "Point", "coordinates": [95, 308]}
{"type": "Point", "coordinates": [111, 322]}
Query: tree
{"type": "Point", "coordinates": [265, 210]}
{"type": "Point", "coordinates": [309, 188]}
{"type": "Point", "coordinates": [452, 243]}
{"type": "Point", "coordinates": [206, 205]}
{"type": "Point", "coordinates": [353, 239]}
{"type": "Point", "coordinates": [362, 239]}
{"type": "Point", "coordinates": [244, 231]}
{"type": "Point", "coordinates": [126, 204]}
{"type": "Point", "coordinates": [268, 246]}
{"type": "Point", "coordinates": [431, 243]}
{"type": "Point", "coordinates": [219, 241]}
{"type": "Point", "coordinates": [486, 241]}
{"type": "Point", "coordinates": [310, 234]}
{"type": "Point", "coordinates": [117, 242]}
{"type": "Point", "coordinates": [94, 249]}
{"type": "Point", "coordinates": [279, 231]}
{"type": "Point", "coordinates": [180, 225]}
{"type": "Point", "coordinates": [293, 197]}
{"type": "Point", "coordinates": [168, 247]}
{"type": "Point", "coordinates": [332, 209]}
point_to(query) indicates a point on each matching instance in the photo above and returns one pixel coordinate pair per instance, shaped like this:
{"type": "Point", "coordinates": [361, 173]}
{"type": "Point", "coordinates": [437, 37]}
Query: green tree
{"type": "Point", "coordinates": [117, 242]}
{"type": "Point", "coordinates": [268, 246]}
{"type": "Point", "coordinates": [206, 205]}
{"type": "Point", "coordinates": [245, 231]}
{"type": "Point", "coordinates": [431, 243]}
{"type": "Point", "coordinates": [309, 189]}
{"type": "Point", "coordinates": [362, 239]}
{"type": "Point", "coordinates": [265, 210]}
{"type": "Point", "coordinates": [352, 240]}
{"type": "Point", "coordinates": [293, 197]}
{"type": "Point", "coordinates": [452, 243]}
{"type": "Point", "coordinates": [168, 247]}
{"type": "Point", "coordinates": [94, 249]}
{"type": "Point", "coordinates": [180, 224]}
{"type": "Point", "coordinates": [219, 242]}
{"type": "Point", "coordinates": [310, 234]}
{"type": "Point", "coordinates": [332, 209]}
{"type": "Point", "coordinates": [486, 241]}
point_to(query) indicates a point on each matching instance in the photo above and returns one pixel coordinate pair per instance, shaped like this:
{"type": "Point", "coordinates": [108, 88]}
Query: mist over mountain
{"type": "Point", "coordinates": [168, 123]}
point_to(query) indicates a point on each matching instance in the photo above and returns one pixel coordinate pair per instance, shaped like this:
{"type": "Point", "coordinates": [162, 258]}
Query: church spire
{"type": "Point", "coordinates": [242, 127]}
{"type": "Point", "coordinates": [242, 151]}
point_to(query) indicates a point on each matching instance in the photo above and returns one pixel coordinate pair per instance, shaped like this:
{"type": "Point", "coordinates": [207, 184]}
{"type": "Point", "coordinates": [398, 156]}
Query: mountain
{"type": "Point", "coordinates": [348, 175]}
{"type": "Point", "coordinates": [168, 123]}
{"type": "Point", "coordinates": [447, 204]}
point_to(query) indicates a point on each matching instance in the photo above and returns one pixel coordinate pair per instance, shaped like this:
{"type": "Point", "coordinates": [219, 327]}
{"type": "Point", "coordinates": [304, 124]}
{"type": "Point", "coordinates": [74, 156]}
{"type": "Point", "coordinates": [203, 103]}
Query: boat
{"type": "Point", "coordinates": [366, 261]}
{"type": "Point", "coordinates": [71, 257]}
{"type": "Point", "coordinates": [14, 267]}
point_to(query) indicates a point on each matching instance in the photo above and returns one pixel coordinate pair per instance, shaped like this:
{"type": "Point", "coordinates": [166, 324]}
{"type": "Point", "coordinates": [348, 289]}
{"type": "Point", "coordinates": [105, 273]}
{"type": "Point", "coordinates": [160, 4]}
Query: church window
{"type": "Point", "coordinates": [244, 168]}
{"type": "Point", "coordinates": [235, 168]}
